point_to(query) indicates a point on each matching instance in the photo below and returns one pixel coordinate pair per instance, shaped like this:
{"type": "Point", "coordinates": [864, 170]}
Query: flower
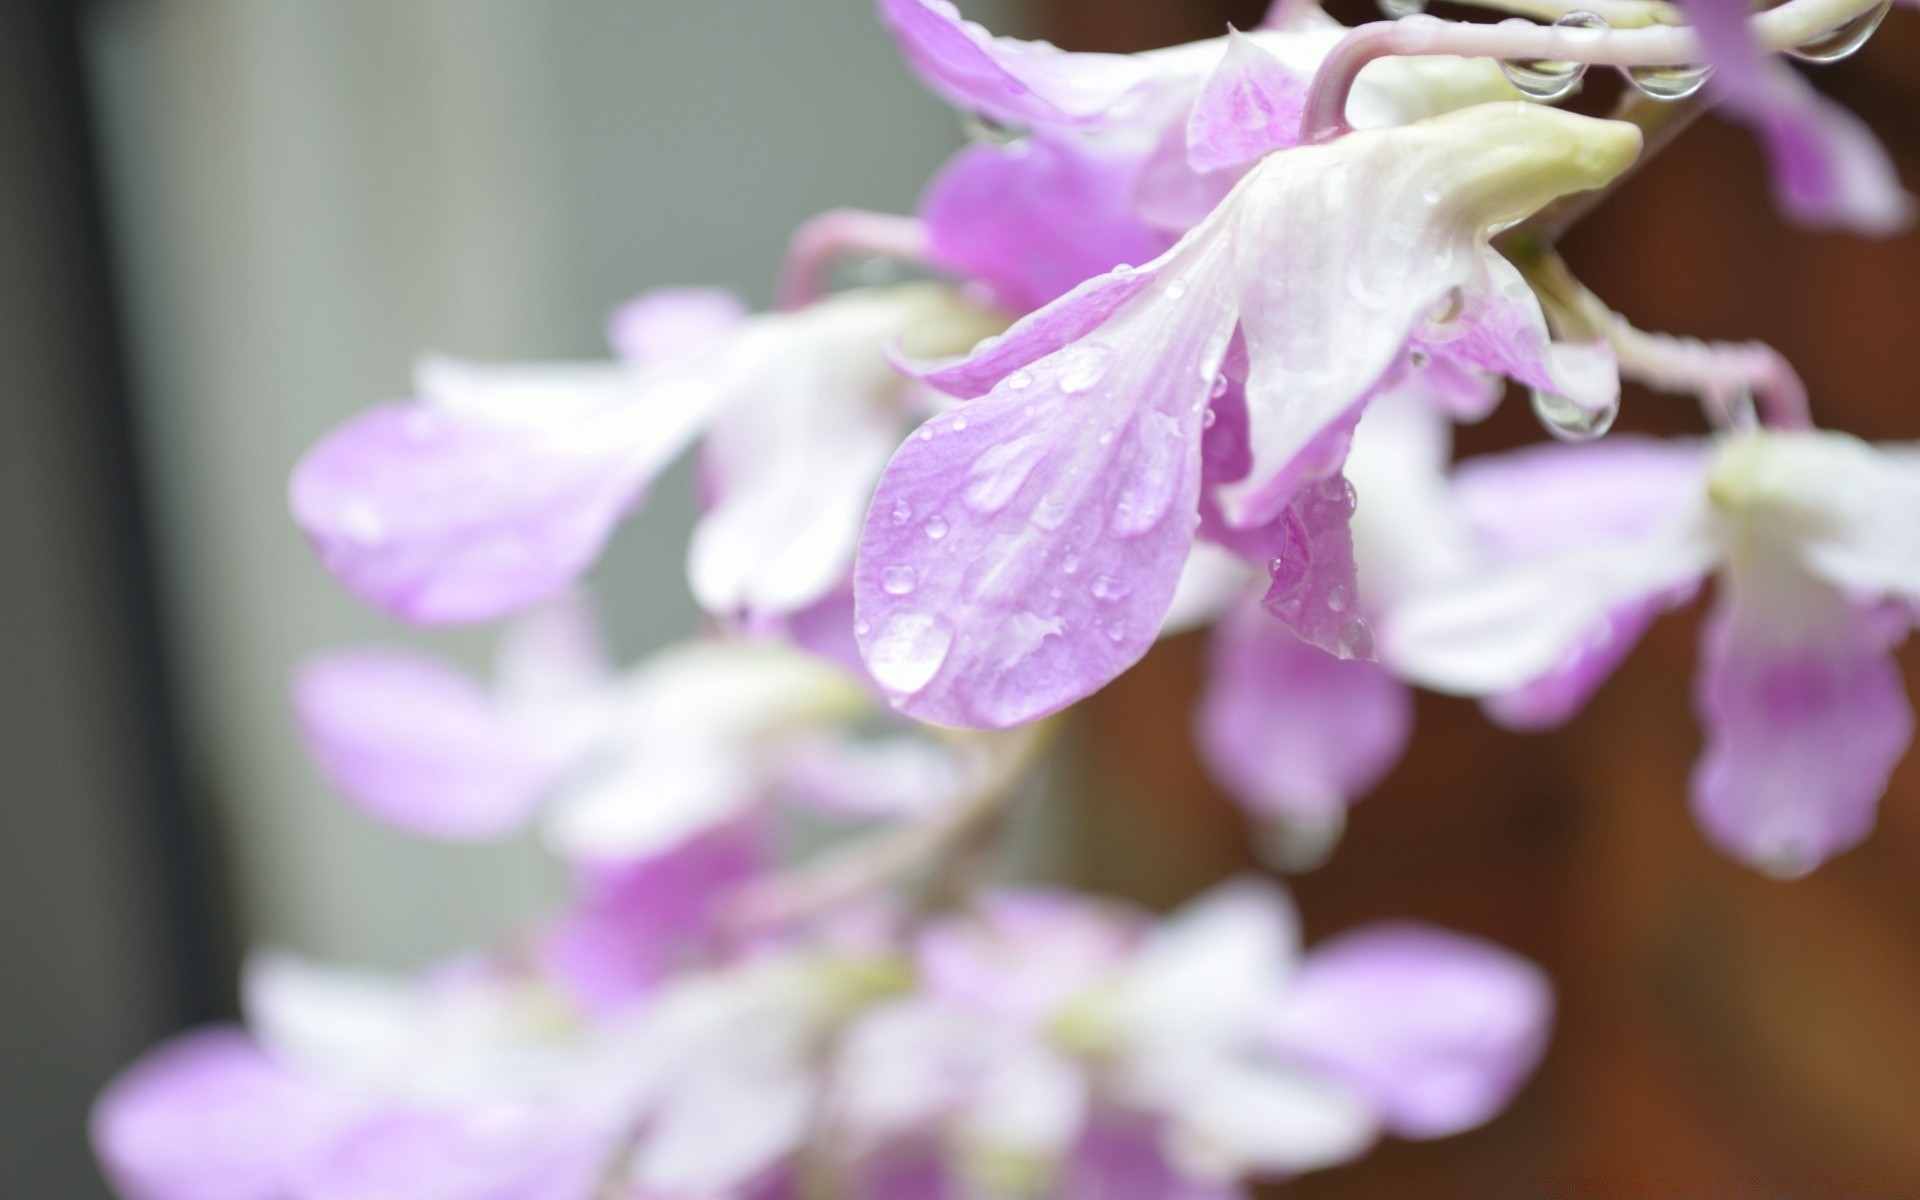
{"type": "Point", "coordinates": [1811, 536]}
{"type": "Point", "coordinates": [501, 484]}
{"type": "Point", "coordinates": [1828, 169]}
{"type": "Point", "coordinates": [1049, 1021]}
{"type": "Point", "coordinates": [698, 738]}
{"type": "Point", "coordinates": [1104, 159]}
{"type": "Point", "coordinates": [1068, 491]}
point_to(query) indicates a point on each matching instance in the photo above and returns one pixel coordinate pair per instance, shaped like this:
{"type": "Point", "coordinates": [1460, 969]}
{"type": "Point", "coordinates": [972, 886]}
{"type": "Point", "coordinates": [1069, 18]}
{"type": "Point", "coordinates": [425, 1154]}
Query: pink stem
{"type": "Point", "coordinates": [841, 233]}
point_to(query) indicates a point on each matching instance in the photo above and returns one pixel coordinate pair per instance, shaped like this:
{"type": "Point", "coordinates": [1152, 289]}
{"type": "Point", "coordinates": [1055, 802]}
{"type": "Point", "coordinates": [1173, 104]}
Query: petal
{"type": "Point", "coordinates": [1554, 698]}
{"type": "Point", "coordinates": [1345, 248]}
{"type": "Point", "coordinates": [1213, 579]}
{"type": "Point", "coordinates": [667, 323]}
{"type": "Point", "coordinates": [1250, 106]}
{"type": "Point", "coordinates": [1016, 82]}
{"type": "Point", "coordinates": [1122, 1158]}
{"type": "Point", "coordinates": [900, 776]}
{"type": "Point", "coordinates": [421, 746]}
{"type": "Point", "coordinates": [1069, 495]}
{"type": "Point", "coordinates": [1828, 169]}
{"type": "Point", "coordinates": [1436, 1030]}
{"type": "Point", "coordinates": [1239, 1115]}
{"type": "Point", "coordinates": [721, 1128]}
{"type": "Point", "coordinates": [481, 1152]}
{"type": "Point", "coordinates": [208, 1116]}
{"type": "Point", "coordinates": [1502, 330]}
{"type": "Point", "coordinates": [1037, 218]}
{"type": "Point", "coordinates": [1315, 592]}
{"type": "Point", "coordinates": [1291, 731]}
{"type": "Point", "coordinates": [1805, 718]}
{"type": "Point", "coordinates": [662, 795]}
{"type": "Point", "coordinates": [1212, 967]}
{"type": "Point", "coordinates": [1547, 498]}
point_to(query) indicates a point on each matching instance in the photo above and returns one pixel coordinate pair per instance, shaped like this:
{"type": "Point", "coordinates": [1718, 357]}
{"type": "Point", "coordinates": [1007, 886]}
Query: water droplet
{"type": "Point", "coordinates": [1020, 379]}
{"type": "Point", "coordinates": [1106, 436]}
{"type": "Point", "coordinates": [1552, 78]}
{"type": "Point", "coordinates": [1842, 42]}
{"type": "Point", "coordinates": [926, 434]}
{"type": "Point", "coordinates": [986, 131]}
{"type": "Point", "coordinates": [1219, 388]}
{"type": "Point", "coordinates": [898, 581]}
{"type": "Point", "coordinates": [1299, 843]}
{"type": "Point", "coordinates": [909, 652]}
{"type": "Point", "coordinates": [1356, 640]}
{"type": "Point", "coordinates": [1083, 366]}
{"type": "Point", "coordinates": [1669, 82]}
{"type": "Point", "coordinates": [1122, 269]}
{"type": "Point", "coordinates": [1070, 564]}
{"type": "Point", "coordinates": [1337, 599]}
{"type": "Point", "coordinates": [1116, 632]}
{"type": "Point", "coordinates": [1050, 513]}
{"type": "Point", "coordinates": [862, 628]}
{"type": "Point", "coordinates": [1107, 587]}
{"type": "Point", "coordinates": [1175, 290]}
{"type": "Point", "coordinates": [936, 527]}
{"type": "Point", "coordinates": [959, 423]}
{"type": "Point", "coordinates": [986, 343]}
{"type": "Point", "coordinates": [1571, 422]}
{"type": "Point", "coordinates": [1402, 8]}
{"type": "Point", "coordinates": [1208, 421]}
{"type": "Point", "coordinates": [999, 472]}
{"type": "Point", "coordinates": [902, 513]}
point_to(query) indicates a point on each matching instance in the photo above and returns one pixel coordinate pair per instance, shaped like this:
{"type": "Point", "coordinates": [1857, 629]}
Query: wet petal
{"type": "Point", "coordinates": [208, 1116]}
{"type": "Point", "coordinates": [1805, 717]}
{"type": "Point", "coordinates": [1249, 107]}
{"type": "Point", "coordinates": [1436, 1030]}
{"type": "Point", "coordinates": [1345, 248]}
{"type": "Point", "coordinates": [1069, 497]}
{"type": "Point", "coordinates": [1291, 731]}
{"type": "Point", "coordinates": [1036, 219]}
{"type": "Point", "coordinates": [419, 745]}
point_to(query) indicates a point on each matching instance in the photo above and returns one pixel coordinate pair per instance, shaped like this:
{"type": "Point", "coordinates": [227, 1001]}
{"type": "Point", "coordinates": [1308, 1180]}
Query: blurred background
{"type": "Point", "coordinates": [227, 224]}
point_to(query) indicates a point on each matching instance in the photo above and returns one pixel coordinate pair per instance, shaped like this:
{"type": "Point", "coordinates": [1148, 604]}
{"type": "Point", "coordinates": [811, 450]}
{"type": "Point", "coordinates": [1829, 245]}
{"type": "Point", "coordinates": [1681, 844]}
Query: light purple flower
{"type": "Point", "coordinates": [1066, 495]}
{"type": "Point", "coordinates": [1060, 1036]}
{"type": "Point", "coordinates": [500, 485]}
{"type": "Point", "coordinates": [1819, 560]}
{"type": "Point", "coordinates": [1828, 168]}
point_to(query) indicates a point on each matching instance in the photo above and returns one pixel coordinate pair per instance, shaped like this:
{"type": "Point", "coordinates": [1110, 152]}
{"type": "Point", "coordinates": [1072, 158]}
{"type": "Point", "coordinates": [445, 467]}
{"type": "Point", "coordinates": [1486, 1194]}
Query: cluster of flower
{"type": "Point", "coordinates": [935, 514]}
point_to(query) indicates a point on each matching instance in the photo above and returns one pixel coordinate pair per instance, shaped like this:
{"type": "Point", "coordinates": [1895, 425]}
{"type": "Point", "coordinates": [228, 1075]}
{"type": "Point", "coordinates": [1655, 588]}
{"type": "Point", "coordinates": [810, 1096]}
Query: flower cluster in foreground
{"type": "Point", "coordinates": [1200, 323]}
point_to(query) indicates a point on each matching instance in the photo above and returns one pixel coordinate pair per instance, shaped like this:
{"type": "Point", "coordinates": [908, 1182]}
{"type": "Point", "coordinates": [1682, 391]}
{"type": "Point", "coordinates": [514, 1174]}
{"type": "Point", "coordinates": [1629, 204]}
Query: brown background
{"type": "Point", "coordinates": [1716, 1030]}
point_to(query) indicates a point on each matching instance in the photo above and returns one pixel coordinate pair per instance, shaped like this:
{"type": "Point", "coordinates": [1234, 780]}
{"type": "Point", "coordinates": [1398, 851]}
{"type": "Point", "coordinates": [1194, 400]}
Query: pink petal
{"type": "Point", "coordinates": [1291, 731]}
{"type": "Point", "coordinates": [1249, 107]}
{"type": "Point", "coordinates": [208, 1116]}
{"type": "Point", "coordinates": [1066, 503]}
{"type": "Point", "coordinates": [1554, 698]}
{"type": "Point", "coordinates": [517, 1151]}
{"type": "Point", "coordinates": [1036, 219]}
{"type": "Point", "coordinates": [1805, 717]}
{"type": "Point", "coordinates": [442, 517]}
{"type": "Point", "coordinates": [1121, 1157]}
{"type": "Point", "coordinates": [667, 323]}
{"type": "Point", "coordinates": [421, 746]}
{"type": "Point", "coordinates": [1436, 1030]}
{"type": "Point", "coordinates": [1016, 82]}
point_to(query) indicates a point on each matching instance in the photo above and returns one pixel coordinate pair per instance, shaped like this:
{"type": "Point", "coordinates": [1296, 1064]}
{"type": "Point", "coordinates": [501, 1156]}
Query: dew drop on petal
{"type": "Point", "coordinates": [1020, 379]}
{"type": "Point", "coordinates": [898, 581]}
{"type": "Point", "coordinates": [1084, 366]}
{"type": "Point", "coordinates": [1402, 8]}
{"type": "Point", "coordinates": [1116, 632]}
{"type": "Point", "coordinates": [1210, 419]}
{"type": "Point", "coordinates": [1219, 387]}
{"type": "Point", "coordinates": [1552, 78]}
{"type": "Point", "coordinates": [1070, 564]}
{"type": "Point", "coordinates": [909, 652]}
{"type": "Point", "coordinates": [1844, 41]}
{"type": "Point", "coordinates": [959, 424]}
{"type": "Point", "coordinates": [1669, 82]}
{"type": "Point", "coordinates": [862, 628]}
{"type": "Point", "coordinates": [902, 513]}
{"type": "Point", "coordinates": [1176, 289]}
{"type": "Point", "coordinates": [1108, 587]}
{"type": "Point", "coordinates": [936, 527]}
{"type": "Point", "coordinates": [1569, 421]}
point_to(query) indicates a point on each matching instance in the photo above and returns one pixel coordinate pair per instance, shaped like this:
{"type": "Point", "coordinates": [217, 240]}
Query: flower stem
{"type": "Point", "coordinates": [842, 233]}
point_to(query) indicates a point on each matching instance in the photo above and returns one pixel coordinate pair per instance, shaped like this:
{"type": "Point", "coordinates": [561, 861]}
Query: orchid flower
{"type": "Point", "coordinates": [1828, 168]}
{"type": "Point", "coordinates": [1108, 157]}
{"type": "Point", "coordinates": [500, 485]}
{"type": "Point", "coordinates": [1023, 549]}
{"type": "Point", "coordinates": [1047, 1020]}
{"type": "Point", "coordinates": [697, 739]}
{"type": "Point", "coordinates": [1811, 536]}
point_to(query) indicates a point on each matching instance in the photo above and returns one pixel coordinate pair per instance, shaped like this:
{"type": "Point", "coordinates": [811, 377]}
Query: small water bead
{"type": "Point", "coordinates": [936, 527]}
{"type": "Point", "coordinates": [909, 652]}
{"type": "Point", "coordinates": [1084, 366]}
{"type": "Point", "coordinates": [1020, 379]}
{"type": "Point", "coordinates": [898, 581]}
{"type": "Point", "coordinates": [1552, 78]}
{"type": "Point", "coordinates": [1175, 290]}
{"type": "Point", "coordinates": [862, 628]}
{"type": "Point", "coordinates": [1844, 41]}
{"type": "Point", "coordinates": [1569, 421]}
{"type": "Point", "coordinates": [984, 130]}
{"type": "Point", "coordinates": [1211, 419]}
{"type": "Point", "coordinates": [959, 424]}
{"type": "Point", "coordinates": [1669, 82]}
{"type": "Point", "coordinates": [1070, 564]}
{"type": "Point", "coordinates": [902, 513]}
{"type": "Point", "coordinates": [1219, 388]}
{"type": "Point", "coordinates": [1402, 8]}
{"type": "Point", "coordinates": [1337, 599]}
{"type": "Point", "coordinates": [1116, 632]}
{"type": "Point", "coordinates": [1107, 587]}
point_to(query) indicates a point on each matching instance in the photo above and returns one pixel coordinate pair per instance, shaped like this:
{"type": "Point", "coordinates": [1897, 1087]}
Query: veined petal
{"type": "Point", "coordinates": [1250, 106]}
{"type": "Point", "coordinates": [1344, 248]}
{"type": "Point", "coordinates": [1805, 717]}
{"type": "Point", "coordinates": [1035, 219]}
{"type": "Point", "coordinates": [422, 746]}
{"type": "Point", "coordinates": [1827, 167]}
{"type": "Point", "coordinates": [208, 1116]}
{"type": "Point", "coordinates": [1008, 80]}
{"type": "Point", "coordinates": [1069, 497]}
{"type": "Point", "coordinates": [1290, 730]}
{"type": "Point", "coordinates": [1436, 1030]}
